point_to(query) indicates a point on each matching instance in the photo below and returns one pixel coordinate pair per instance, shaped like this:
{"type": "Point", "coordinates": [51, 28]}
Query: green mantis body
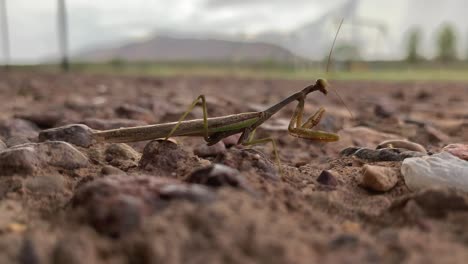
{"type": "Point", "coordinates": [216, 128]}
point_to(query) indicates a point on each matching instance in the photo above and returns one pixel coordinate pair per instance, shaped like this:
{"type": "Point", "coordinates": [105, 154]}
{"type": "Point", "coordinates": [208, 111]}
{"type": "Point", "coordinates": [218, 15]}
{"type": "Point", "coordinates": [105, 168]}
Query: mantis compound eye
{"type": "Point", "coordinates": [322, 85]}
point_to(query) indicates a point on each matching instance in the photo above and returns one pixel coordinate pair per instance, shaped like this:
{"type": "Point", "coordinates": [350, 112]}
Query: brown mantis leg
{"type": "Point", "coordinates": [251, 141]}
{"type": "Point", "coordinates": [205, 117]}
{"type": "Point", "coordinates": [304, 130]}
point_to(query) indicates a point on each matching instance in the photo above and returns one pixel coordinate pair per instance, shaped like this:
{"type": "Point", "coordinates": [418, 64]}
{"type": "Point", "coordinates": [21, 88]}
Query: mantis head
{"type": "Point", "coordinates": [321, 85]}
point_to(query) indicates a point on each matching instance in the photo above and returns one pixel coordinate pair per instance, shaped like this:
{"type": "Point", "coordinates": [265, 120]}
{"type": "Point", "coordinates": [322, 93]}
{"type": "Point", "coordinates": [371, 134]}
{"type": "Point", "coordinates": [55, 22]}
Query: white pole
{"type": "Point", "coordinates": [5, 33]}
{"type": "Point", "coordinates": [63, 33]}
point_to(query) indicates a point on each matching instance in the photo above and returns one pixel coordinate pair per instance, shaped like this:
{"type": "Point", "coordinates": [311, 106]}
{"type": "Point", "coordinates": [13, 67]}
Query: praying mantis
{"type": "Point", "coordinates": [214, 129]}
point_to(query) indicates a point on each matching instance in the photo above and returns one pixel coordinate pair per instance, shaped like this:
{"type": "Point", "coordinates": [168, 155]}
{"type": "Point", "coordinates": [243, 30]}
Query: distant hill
{"type": "Point", "coordinates": [164, 48]}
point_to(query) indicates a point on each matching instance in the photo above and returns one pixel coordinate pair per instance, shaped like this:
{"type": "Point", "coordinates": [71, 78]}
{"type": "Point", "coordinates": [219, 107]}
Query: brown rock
{"type": "Point", "coordinates": [115, 205]}
{"type": "Point", "coordinates": [29, 158]}
{"type": "Point", "coordinates": [122, 156]}
{"type": "Point", "coordinates": [165, 157]}
{"type": "Point", "coordinates": [217, 175]}
{"type": "Point", "coordinates": [247, 159]}
{"type": "Point", "coordinates": [2, 145]}
{"type": "Point", "coordinates": [22, 161]}
{"type": "Point", "coordinates": [43, 120]}
{"type": "Point", "coordinates": [205, 151]}
{"type": "Point", "coordinates": [231, 140]}
{"type": "Point", "coordinates": [111, 170]}
{"type": "Point", "coordinates": [74, 249]}
{"type": "Point", "coordinates": [378, 178]}
{"type": "Point", "coordinates": [18, 127]}
{"type": "Point", "coordinates": [384, 110]}
{"type": "Point", "coordinates": [327, 178]}
{"type": "Point", "coordinates": [16, 140]}
{"type": "Point", "coordinates": [76, 134]}
{"type": "Point", "coordinates": [45, 184]}
{"type": "Point", "coordinates": [60, 154]}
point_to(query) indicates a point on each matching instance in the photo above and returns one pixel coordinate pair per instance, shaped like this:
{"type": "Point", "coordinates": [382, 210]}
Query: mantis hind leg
{"type": "Point", "coordinates": [191, 107]}
{"type": "Point", "coordinates": [251, 141]}
{"type": "Point", "coordinates": [304, 130]}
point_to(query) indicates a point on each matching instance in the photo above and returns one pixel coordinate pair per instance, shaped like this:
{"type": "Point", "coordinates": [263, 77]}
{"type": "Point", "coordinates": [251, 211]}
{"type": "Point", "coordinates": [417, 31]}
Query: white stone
{"type": "Point", "coordinates": [439, 170]}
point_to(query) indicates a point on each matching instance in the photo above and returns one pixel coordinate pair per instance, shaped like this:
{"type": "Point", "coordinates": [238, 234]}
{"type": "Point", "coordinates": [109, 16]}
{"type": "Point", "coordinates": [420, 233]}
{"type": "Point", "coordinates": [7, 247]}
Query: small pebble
{"type": "Point", "coordinates": [327, 178]}
{"type": "Point", "coordinates": [76, 134]}
{"type": "Point", "coordinates": [383, 110]}
{"type": "Point", "coordinates": [378, 178]}
{"type": "Point", "coordinates": [111, 170]}
{"type": "Point", "coordinates": [43, 120]}
{"type": "Point", "coordinates": [60, 154]}
{"type": "Point", "coordinates": [458, 150]}
{"type": "Point", "coordinates": [189, 192]}
{"type": "Point", "coordinates": [16, 140]}
{"type": "Point", "coordinates": [29, 158]}
{"type": "Point", "coordinates": [217, 175]}
{"type": "Point", "coordinates": [28, 252]}
{"type": "Point", "coordinates": [18, 127]}
{"type": "Point", "coordinates": [45, 184]}
{"type": "Point", "coordinates": [16, 227]}
{"type": "Point", "coordinates": [404, 144]}
{"type": "Point", "coordinates": [2, 145]}
{"type": "Point", "coordinates": [231, 140]}
{"type": "Point", "coordinates": [74, 249]}
{"type": "Point", "coordinates": [205, 151]}
{"type": "Point", "coordinates": [384, 154]}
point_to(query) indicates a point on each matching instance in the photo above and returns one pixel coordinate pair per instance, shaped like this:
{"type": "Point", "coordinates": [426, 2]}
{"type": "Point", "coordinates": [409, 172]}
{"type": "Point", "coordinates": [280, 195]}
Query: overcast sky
{"type": "Point", "coordinates": [91, 22]}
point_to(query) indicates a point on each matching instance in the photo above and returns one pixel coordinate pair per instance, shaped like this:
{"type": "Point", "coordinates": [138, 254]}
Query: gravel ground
{"type": "Point", "coordinates": [179, 201]}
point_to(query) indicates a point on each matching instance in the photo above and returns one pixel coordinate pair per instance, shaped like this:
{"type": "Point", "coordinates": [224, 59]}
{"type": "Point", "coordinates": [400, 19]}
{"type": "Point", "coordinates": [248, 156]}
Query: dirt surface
{"type": "Point", "coordinates": [181, 202]}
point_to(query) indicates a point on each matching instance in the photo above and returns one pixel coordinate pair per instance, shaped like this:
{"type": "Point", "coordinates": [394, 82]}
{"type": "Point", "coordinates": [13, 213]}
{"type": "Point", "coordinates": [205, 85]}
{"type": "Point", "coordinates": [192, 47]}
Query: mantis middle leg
{"type": "Point", "coordinates": [191, 107]}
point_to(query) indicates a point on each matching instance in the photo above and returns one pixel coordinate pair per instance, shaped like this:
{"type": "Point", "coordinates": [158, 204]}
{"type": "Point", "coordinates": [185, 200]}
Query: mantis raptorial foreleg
{"type": "Point", "coordinates": [314, 119]}
{"type": "Point", "coordinates": [205, 117]}
{"type": "Point", "coordinates": [303, 130]}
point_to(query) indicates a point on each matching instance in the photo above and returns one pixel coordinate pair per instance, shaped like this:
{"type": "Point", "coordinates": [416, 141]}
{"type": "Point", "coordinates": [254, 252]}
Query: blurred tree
{"type": "Point", "coordinates": [446, 44]}
{"type": "Point", "coordinates": [117, 63]}
{"type": "Point", "coordinates": [466, 48]}
{"type": "Point", "coordinates": [413, 45]}
{"type": "Point", "coordinates": [347, 53]}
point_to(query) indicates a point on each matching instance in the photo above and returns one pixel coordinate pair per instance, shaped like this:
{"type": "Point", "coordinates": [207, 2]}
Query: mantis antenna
{"type": "Point", "coordinates": [328, 67]}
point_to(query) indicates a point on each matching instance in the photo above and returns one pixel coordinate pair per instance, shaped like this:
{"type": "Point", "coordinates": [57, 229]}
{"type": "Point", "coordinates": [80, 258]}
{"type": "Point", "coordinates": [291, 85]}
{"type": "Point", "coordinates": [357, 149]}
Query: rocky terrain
{"type": "Point", "coordinates": [64, 199]}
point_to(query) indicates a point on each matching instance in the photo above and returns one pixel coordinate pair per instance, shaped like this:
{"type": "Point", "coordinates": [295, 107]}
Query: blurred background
{"type": "Point", "coordinates": [379, 39]}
